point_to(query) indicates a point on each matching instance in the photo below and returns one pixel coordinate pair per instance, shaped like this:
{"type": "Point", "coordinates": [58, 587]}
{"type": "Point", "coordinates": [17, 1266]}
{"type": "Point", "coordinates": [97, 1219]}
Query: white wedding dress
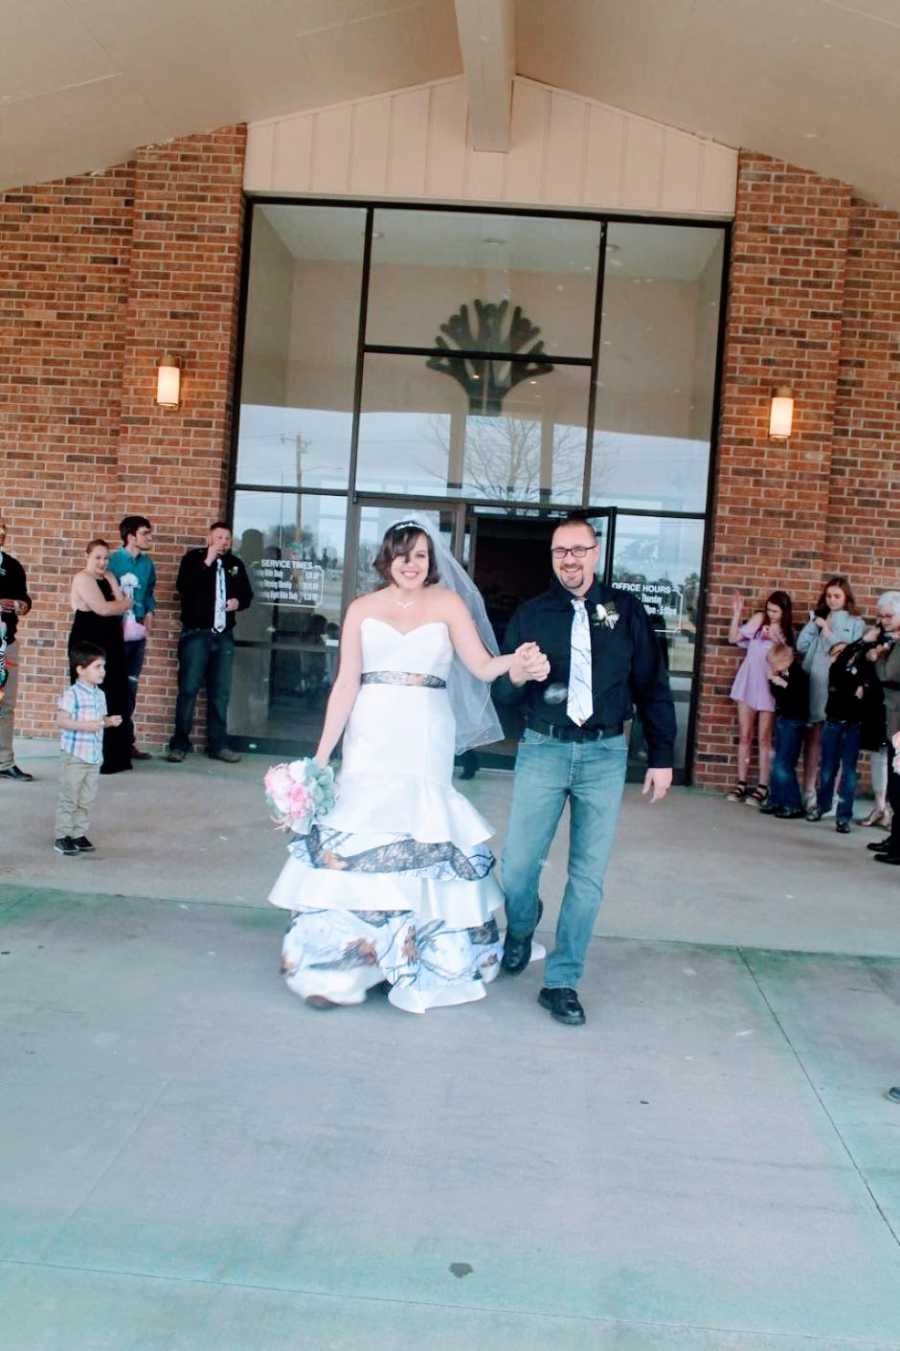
{"type": "Point", "coordinates": [396, 882]}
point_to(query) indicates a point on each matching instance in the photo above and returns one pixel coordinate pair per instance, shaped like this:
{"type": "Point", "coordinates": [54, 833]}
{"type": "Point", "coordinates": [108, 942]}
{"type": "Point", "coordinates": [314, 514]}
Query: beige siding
{"type": "Point", "coordinates": [565, 151]}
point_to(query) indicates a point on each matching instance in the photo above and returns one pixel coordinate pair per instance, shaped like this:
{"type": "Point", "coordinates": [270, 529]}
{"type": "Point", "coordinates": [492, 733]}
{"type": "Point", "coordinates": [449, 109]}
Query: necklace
{"type": "Point", "coordinates": [405, 604]}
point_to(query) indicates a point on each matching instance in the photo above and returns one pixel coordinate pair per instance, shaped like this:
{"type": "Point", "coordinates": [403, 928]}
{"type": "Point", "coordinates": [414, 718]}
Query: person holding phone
{"type": "Point", "coordinates": [772, 623]}
{"type": "Point", "coordinates": [834, 620]}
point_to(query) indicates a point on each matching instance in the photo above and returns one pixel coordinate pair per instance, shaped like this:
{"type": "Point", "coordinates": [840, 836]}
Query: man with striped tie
{"type": "Point", "coordinates": [604, 658]}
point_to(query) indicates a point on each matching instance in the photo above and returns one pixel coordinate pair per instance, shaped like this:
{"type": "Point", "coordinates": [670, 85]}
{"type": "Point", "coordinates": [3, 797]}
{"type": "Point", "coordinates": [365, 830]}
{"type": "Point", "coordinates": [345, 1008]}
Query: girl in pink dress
{"type": "Point", "coordinates": [772, 623]}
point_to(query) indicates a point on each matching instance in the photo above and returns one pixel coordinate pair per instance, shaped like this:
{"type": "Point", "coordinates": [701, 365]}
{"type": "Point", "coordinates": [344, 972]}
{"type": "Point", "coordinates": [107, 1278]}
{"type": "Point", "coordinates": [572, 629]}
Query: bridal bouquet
{"type": "Point", "coordinates": [298, 793]}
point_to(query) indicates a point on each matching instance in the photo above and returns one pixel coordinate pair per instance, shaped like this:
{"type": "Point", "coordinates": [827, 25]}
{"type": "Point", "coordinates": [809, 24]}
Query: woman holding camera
{"type": "Point", "coordinates": [833, 621]}
{"type": "Point", "coordinates": [886, 656]}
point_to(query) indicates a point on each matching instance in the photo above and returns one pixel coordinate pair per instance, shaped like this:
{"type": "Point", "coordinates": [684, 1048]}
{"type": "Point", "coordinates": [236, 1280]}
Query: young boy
{"type": "Point", "coordinates": [790, 687]}
{"type": "Point", "coordinates": [82, 718]}
{"type": "Point", "coordinates": [849, 679]}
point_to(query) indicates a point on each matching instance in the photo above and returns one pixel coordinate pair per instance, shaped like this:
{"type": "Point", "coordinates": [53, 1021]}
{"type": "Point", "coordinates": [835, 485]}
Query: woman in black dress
{"type": "Point", "coordinates": [99, 604]}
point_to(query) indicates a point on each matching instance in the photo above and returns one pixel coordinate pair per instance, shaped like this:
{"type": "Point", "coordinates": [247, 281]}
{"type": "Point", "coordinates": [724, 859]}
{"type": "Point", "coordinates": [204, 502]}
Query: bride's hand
{"type": "Point", "coordinates": [532, 662]}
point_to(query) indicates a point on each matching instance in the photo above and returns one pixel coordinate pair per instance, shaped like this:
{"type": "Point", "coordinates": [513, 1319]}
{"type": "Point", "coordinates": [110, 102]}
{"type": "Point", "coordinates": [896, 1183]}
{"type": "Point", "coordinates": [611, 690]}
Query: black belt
{"type": "Point", "coordinates": [560, 732]}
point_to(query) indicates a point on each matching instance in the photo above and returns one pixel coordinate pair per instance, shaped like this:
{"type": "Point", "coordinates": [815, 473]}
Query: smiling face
{"type": "Point", "coordinates": [575, 573]}
{"type": "Point", "coordinates": [97, 560]}
{"type": "Point", "coordinates": [142, 539]}
{"type": "Point", "coordinates": [409, 571]}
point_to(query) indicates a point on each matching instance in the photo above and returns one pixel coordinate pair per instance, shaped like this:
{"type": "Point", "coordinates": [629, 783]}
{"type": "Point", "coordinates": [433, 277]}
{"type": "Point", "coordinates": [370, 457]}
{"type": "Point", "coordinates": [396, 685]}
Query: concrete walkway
{"type": "Point", "coordinates": [194, 1160]}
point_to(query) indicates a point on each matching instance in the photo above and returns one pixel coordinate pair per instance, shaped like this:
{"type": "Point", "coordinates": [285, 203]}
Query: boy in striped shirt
{"type": "Point", "coordinates": [82, 718]}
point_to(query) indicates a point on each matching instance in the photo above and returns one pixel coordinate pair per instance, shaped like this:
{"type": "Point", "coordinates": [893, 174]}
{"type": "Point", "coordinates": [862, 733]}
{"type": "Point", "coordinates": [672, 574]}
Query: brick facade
{"type": "Point", "coordinates": [814, 302]}
{"type": "Point", "coordinates": [99, 276]}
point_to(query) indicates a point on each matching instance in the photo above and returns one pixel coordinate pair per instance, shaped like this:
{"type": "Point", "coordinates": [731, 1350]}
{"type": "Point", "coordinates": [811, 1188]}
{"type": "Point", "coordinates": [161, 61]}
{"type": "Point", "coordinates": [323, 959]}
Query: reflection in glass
{"type": "Point", "coordinates": [659, 561]}
{"type": "Point", "coordinates": [300, 341]}
{"type": "Point", "coordinates": [292, 547]}
{"type": "Point", "coordinates": [657, 368]}
{"type": "Point", "coordinates": [418, 433]}
{"type": "Point", "coordinates": [426, 265]}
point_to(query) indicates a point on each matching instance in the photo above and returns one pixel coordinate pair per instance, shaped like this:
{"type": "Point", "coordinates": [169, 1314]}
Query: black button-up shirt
{"type": "Point", "coordinates": [12, 587]}
{"type": "Point", "coordinates": [196, 586]}
{"type": "Point", "coordinates": [627, 665]}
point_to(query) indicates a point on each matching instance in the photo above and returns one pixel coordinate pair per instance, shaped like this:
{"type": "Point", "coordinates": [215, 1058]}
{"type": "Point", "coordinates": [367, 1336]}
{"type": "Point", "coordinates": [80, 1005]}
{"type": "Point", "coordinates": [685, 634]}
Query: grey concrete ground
{"type": "Point", "coordinates": [194, 1160]}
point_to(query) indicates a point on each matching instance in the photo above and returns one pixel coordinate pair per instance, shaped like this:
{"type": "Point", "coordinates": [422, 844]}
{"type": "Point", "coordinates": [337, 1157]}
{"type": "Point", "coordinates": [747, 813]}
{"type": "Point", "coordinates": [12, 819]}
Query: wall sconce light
{"type": "Point", "coordinates": [168, 382]}
{"type": "Point", "coordinates": [781, 413]}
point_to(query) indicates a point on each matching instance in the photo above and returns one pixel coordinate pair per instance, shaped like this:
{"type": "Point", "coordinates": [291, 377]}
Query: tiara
{"type": "Point", "coordinates": [405, 525]}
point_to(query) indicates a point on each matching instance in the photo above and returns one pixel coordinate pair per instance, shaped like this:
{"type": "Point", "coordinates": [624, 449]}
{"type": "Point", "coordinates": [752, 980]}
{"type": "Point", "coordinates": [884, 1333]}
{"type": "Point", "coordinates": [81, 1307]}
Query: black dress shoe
{"type": "Point", "coordinates": [769, 809]}
{"type": "Point", "coordinates": [516, 954]}
{"type": "Point", "coordinates": [893, 859]}
{"type": "Point", "coordinates": [563, 1004]}
{"type": "Point", "coordinates": [893, 1095]}
{"type": "Point", "coordinates": [16, 774]}
{"type": "Point", "coordinates": [843, 827]}
{"type": "Point", "coordinates": [140, 755]}
{"type": "Point", "coordinates": [788, 813]}
{"type": "Point", "coordinates": [517, 951]}
{"type": "Point", "coordinates": [879, 847]}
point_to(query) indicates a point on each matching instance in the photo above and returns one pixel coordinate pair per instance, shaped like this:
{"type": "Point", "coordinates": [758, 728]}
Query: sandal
{"type": "Point", "coordinates": [760, 794]}
{"type": "Point", "coordinates": [739, 792]}
{"type": "Point", "coordinates": [875, 818]}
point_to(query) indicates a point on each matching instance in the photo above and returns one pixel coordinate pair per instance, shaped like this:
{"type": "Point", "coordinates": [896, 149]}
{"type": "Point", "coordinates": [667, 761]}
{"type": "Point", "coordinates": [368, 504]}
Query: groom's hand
{"type": "Point", "coordinates": [529, 663]}
{"type": "Point", "coordinates": [657, 783]}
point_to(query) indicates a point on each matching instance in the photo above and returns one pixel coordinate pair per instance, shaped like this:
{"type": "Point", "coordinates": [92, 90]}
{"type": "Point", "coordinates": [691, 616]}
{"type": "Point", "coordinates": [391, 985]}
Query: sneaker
{"type": "Point", "coordinates": [769, 808]}
{"type": "Point", "coordinates": [789, 813]}
{"type": "Point", "coordinates": [175, 756]}
{"type": "Point", "coordinates": [83, 845]}
{"type": "Point", "coordinates": [66, 846]}
{"type": "Point", "coordinates": [229, 756]}
{"type": "Point", "coordinates": [814, 815]}
{"type": "Point", "coordinates": [843, 827]}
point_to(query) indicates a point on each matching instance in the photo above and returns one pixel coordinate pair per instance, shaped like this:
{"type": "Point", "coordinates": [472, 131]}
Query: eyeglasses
{"type": "Point", "coordinates": [577, 551]}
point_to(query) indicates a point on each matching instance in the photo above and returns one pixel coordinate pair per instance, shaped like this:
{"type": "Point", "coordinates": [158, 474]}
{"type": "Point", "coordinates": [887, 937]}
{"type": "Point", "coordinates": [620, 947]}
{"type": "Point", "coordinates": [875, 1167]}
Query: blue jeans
{"type": "Point", "coordinates": [784, 790]}
{"type": "Point", "coordinates": [590, 775]}
{"type": "Point", "coordinates": [840, 747]}
{"type": "Point", "coordinates": [134, 664]}
{"type": "Point", "coordinates": [206, 658]}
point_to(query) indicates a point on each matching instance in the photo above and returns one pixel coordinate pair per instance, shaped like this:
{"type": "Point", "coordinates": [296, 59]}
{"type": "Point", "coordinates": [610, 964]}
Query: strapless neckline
{"type": "Point", "coordinates": [405, 633]}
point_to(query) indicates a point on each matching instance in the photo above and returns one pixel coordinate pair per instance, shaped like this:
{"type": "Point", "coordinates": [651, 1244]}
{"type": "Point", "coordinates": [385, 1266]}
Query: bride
{"type": "Point", "coordinates": [396, 882]}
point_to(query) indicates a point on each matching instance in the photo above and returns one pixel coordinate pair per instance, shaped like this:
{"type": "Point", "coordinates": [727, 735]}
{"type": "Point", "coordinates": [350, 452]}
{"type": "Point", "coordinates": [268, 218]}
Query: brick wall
{"type": "Point", "coordinates": [99, 276]}
{"type": "Point", "coordinates": [814, 302]}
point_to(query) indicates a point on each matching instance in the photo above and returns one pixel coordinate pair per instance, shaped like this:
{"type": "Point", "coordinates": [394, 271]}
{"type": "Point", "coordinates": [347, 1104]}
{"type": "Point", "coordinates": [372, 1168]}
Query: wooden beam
{"type": "Point", "coordinates": [487, 39]}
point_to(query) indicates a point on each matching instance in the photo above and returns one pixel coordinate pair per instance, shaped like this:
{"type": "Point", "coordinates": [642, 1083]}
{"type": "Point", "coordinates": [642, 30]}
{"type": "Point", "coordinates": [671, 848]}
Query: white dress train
{"type": "Point", "coordinates": [396, 882]}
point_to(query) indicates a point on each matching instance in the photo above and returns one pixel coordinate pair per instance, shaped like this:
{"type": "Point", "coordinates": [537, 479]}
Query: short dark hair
{"type": "Point", "coordinates": [220, 525]}
{"type": "Point", "coordinates": [399, 542]}
{"type": "Point", "coordinates": [574, 518]}
{"type": "Point", "coordinates": [82, 654]}
{"type": "Point", "coordinates": [131, 525]}
{"type": "Point", "coordinates": [93, 544]}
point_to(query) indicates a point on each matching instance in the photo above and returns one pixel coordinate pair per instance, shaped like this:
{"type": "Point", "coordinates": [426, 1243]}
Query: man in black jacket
{"type": "Point", "coordinates": [213, 585]}
{"type": "Point", "coordinates": [14, 604]}
{"type": "Point", "coordinates": [604, 657]}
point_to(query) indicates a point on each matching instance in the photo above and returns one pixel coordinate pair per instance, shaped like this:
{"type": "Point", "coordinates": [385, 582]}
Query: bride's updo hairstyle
{"type": "Point", "coordinates": [399, 542]}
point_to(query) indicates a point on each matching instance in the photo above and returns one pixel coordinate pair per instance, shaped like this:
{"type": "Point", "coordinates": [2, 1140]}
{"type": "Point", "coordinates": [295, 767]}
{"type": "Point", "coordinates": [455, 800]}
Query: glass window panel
{"type": "Point", "coordinates": [423, 431]}
{"type": "Point", "coordinates": [293, 549]}
{"type": "Point", "coordinates": [300, 341]}
{"type": "Point", "coordinates": [659, 560]}
{"type": "Point", "coordinates": [656, 374]}
{"type": "Point", "coordinates": [427, 264]}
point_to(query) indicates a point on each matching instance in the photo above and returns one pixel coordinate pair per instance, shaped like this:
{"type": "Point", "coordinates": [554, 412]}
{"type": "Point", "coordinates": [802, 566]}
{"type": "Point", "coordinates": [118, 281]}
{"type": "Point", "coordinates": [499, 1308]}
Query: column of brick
{"type": "Point", "coordinates": [863, 539]}
{"type": "Point", "coordinates": [182, 298]}
{"type": "Point", "coordinates": [771, 502]}
{"type": "Point", "coordinates": [65, 257]}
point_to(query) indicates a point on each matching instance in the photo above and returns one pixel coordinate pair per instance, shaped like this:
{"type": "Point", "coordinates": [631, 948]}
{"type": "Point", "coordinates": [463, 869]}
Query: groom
{"type": "Point", "coordinates": [603, 654]}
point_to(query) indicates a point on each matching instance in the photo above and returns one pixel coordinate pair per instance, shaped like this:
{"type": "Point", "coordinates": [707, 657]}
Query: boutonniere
{"type": "Point", "coordinates": [233, 570]}
{"type": "Point", "coordinates": [607, 615]}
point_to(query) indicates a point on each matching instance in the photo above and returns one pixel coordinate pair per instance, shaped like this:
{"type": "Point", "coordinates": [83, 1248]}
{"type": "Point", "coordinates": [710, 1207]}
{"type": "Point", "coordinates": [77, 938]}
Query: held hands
{"type": "Point", "coordinates": [657, 783]}
{"type": "Point", "coordinates": [528, 663]}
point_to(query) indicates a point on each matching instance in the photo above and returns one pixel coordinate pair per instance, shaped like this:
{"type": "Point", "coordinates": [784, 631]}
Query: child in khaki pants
{"type": "Point", "coordinates": [82, 718]}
